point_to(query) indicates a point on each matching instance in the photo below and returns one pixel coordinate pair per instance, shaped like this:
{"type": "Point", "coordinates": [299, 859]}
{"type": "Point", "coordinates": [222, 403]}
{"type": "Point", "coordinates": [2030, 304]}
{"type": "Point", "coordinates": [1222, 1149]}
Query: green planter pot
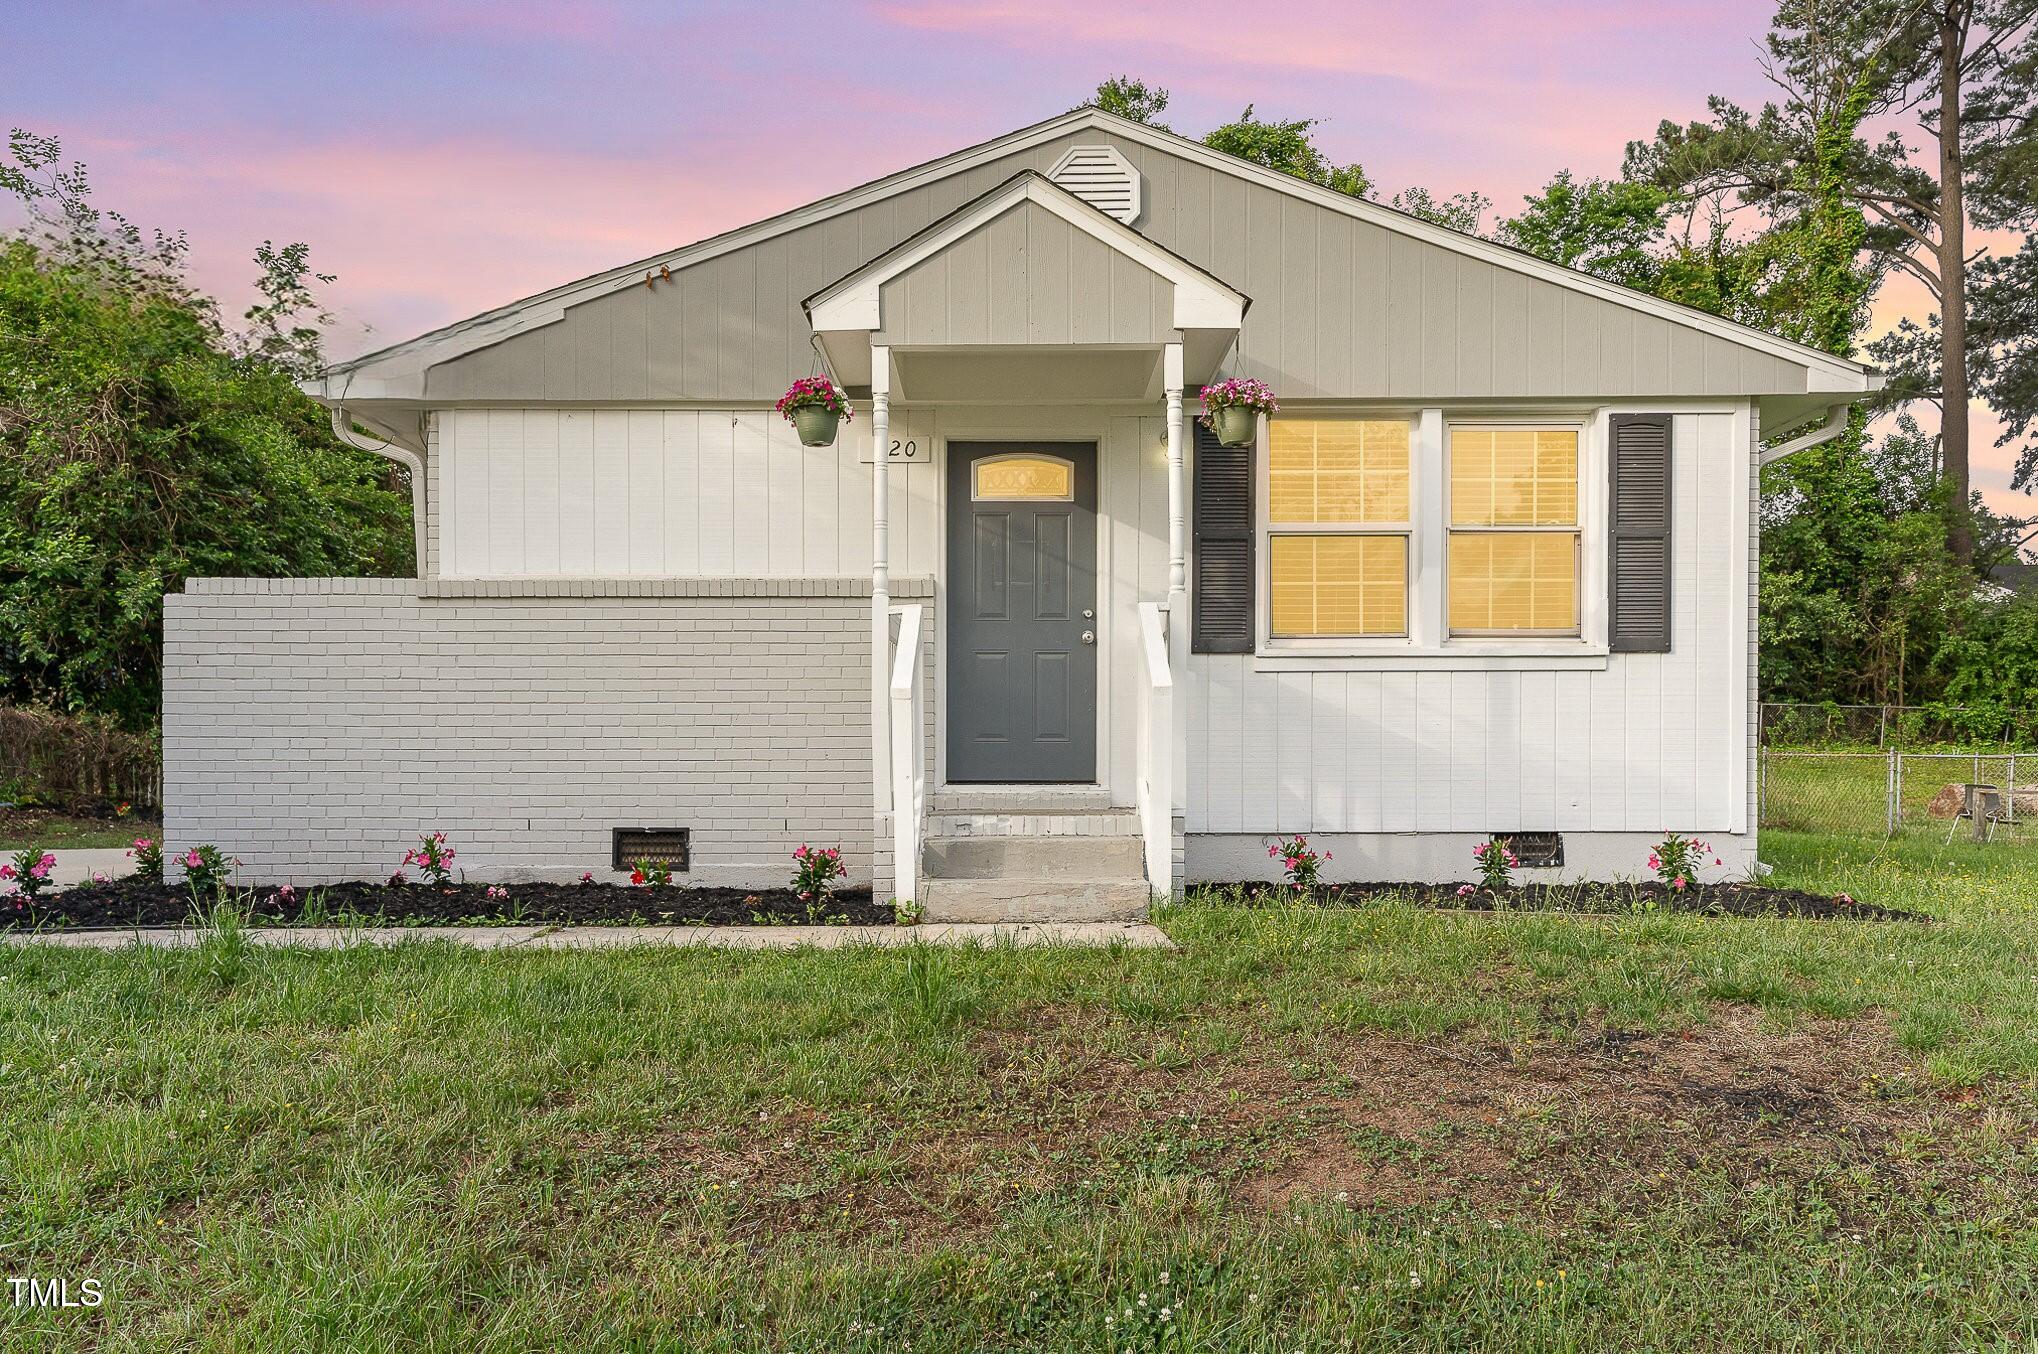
{"type": "Point", "coordinates": [1235, 425]}
{"type": "Point", "coordinates": [816, 425]}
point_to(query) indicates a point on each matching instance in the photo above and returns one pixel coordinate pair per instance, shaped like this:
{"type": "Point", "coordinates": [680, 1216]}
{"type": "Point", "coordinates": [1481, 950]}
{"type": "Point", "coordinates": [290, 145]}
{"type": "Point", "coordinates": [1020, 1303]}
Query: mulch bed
{"type": "Point", "coordinates": [1707, 900]}
{"type": "Point", "coordinates": [132, 902]}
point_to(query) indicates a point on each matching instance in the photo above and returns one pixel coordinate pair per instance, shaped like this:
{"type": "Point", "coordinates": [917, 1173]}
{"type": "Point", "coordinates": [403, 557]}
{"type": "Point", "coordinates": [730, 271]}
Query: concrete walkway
{"type": "Point", "coordinates": [78, 865]}
{"type": "Point", "coordinates": [1138, 935]}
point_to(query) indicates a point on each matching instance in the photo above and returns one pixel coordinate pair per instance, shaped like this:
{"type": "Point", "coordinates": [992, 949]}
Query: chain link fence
{"type": "Point", "coordinates": [1897, 770]}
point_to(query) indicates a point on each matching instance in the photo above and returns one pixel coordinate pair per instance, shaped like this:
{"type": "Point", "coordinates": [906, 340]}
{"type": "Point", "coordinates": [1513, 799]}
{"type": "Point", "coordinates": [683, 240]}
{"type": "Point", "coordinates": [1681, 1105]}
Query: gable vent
{"type": "Point", "coordinates": [1102, 177]}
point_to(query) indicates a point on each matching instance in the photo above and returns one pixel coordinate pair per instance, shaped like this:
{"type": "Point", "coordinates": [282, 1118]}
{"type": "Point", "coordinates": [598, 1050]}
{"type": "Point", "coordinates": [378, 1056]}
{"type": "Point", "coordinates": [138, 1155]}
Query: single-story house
{"type": "Point", "coordinates": [1026, 639]}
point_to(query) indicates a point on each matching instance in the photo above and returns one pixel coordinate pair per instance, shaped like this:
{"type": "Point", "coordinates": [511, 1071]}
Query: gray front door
{"type": "Point", "coordinates": [1022, 611]}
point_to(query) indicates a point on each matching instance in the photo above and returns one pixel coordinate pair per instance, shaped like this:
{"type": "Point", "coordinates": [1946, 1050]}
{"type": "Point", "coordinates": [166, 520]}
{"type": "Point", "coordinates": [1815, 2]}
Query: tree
{"type": "Point", "coordinates": [2002, 337]}
{"type": "Point", "coordinates": [1288, 147]}
{"type": "Point", "coordinates": [1964, 70]}
{"type": "Point", "coordinates": [141, 445]}
{"type": "Point", "coordinates": [1135, 99]}
{"type": "Point", "coordinates": [1460, 212]}
{"type": "Point", "coordinates": [283, 326]}
{"type": "Point", "coordinates": [1615, 230]}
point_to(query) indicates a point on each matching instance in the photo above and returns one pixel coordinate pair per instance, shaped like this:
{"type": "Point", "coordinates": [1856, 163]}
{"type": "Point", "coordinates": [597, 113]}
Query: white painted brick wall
{"type": "Point", "coordinates": [314, 727]}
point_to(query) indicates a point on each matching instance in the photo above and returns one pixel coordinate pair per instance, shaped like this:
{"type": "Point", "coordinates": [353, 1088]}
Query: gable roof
{"type": "Point", "coordinates": [1201, 300]}
{"type": "Point", "coordinates": [391, 372]}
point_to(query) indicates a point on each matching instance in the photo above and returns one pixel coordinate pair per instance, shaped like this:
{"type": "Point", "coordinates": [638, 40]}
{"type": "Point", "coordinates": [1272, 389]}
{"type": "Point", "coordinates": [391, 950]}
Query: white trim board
{"type": "Point", "coordinates": [396, 372]}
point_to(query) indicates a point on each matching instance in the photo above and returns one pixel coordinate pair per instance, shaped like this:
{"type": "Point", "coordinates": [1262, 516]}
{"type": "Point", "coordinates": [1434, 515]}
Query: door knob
{"type": "Point", "coordinates": [1089, 636]}
{"type": "Point", "coordinates": [1089, 615]}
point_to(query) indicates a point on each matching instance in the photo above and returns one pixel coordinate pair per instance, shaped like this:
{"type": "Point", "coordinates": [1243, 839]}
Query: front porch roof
{"type": "Point", "coordinates": [1027, 287]}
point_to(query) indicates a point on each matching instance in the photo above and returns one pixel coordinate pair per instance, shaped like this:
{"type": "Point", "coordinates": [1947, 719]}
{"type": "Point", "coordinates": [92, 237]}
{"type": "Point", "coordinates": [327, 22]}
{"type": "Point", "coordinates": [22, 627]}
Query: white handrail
{"type": "Point", "coordinates": [909, 754]}
{"type": "Point", "coordinates": [1154, 749]}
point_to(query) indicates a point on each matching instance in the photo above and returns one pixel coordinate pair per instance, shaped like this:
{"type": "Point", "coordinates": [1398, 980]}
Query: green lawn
{"type": "Point", "coordinates": [1316, 1130]}
{"type": "Point", "coordinates": [54, 831]}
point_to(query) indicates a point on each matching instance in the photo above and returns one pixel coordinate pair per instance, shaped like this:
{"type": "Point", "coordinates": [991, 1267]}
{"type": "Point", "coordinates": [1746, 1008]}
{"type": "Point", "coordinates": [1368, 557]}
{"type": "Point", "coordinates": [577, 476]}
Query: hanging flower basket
{"type": "Point", "coordinates": [1232, 409]}
{"type": "Point", "coordinates": [815, 406]}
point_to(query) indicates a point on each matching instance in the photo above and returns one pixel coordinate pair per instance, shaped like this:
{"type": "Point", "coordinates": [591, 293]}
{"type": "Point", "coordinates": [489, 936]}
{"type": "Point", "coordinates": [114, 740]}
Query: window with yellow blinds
{"type": "Point", "coordinates": [1513, 548]}
{"type": "Point", "coordinates": [1337, 524]}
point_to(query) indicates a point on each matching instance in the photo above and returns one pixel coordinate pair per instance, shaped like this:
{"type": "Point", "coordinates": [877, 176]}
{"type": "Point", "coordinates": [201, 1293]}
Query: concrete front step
{"type": "Point", "coordinates": [1035, 857]}
{"type": "Point", "coordinates": [1109, 823]}
{"type": "Point", "coordinates": [1020, 799]}
{"type": "Point", "coordinates": [1033, 900]}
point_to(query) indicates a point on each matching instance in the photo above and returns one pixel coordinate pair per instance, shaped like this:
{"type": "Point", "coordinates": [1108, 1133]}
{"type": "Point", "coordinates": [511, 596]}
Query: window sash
{"type": "Point", "coordinates": [1362, 592]}
{"type": "Point", "coordinates": [1339, 472]}
{"type": "Point", "coordinates": [1548, 503]}
{"type": "Point", "coordinates": [1530, 591]}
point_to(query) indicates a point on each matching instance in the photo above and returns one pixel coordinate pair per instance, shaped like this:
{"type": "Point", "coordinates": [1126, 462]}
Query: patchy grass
{"type": "Point", "coordinates": [1305, 1129]}
{"type": "Point", "coordinates": [55, 831]}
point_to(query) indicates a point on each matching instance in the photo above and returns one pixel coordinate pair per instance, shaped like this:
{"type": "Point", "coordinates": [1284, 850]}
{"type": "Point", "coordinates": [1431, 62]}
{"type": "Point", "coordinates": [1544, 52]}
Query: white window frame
{"type": "Point", "coordinates": [1428, 645]}
{"type": "Point", "coordinates": [1452, 428]}
{"type": "Point", "coordinates": [1266, 529]}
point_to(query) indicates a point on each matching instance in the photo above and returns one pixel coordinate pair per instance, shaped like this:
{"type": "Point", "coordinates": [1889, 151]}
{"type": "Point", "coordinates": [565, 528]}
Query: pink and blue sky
{"type": "Point", "coordinates": [445, 156]}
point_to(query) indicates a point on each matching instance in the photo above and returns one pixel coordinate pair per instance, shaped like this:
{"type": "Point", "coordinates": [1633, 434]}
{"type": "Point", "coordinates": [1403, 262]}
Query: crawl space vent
{"type": "Point", "coordinates": [1535, 850]}
{"type": "Point", "coordinates": [667, 846]}
{"type": "Point", "coordinates": [1102, 177]}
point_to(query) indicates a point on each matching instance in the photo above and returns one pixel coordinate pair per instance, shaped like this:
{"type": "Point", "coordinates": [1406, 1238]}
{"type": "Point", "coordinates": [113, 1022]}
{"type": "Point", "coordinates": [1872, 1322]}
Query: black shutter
{"type": "Point", "coordinates": [1638, 545]}
{"type": "Point", "coordinates": [1222, 591]}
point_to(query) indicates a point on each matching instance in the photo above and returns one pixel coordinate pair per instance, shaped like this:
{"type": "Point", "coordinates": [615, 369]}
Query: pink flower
{"type": "Point", "coordinates": [6, 872]}
{"type": "Point", "coordinates": [192, 860]}
{"type": "Point", "coordinates": [834, 853]}
{"type": "Point", "coordinates": [1678, 883]}
{"type": "Point", "coordinates": [587, 876]}
{"type": "Point", "coordinates": [1273, 850]}
{"type": "Point", "coordinates": [1654, 863]}
{"type": "Point", "coordinates": [636, 876]}
{"type": "Point", "coordinates": [801, 853]}
{"type": "Point", "coordinates": [142, 844]}
{"type": "Point", "coordinates": [1464, 889]}
{"type": "Point", "coordinates": [99, 878]}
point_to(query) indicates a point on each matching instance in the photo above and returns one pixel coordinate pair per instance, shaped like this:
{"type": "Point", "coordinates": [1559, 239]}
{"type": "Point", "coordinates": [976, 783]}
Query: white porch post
{"type": "Point", "coordinates": [1178, 578]}
{"type": "Point", "coordinates": [1178, 550]}
{"type": "Point", "coordinates": [880, 587]}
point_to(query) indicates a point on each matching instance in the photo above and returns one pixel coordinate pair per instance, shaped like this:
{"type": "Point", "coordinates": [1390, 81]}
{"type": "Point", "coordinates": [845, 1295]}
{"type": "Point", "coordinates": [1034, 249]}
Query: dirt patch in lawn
{"type": "Point", "coordinates": [1534, 1133]}
{"type": "Point", "coordinates": [1707, 900]}
{"type": "Point", "coordinates": [135, 902]}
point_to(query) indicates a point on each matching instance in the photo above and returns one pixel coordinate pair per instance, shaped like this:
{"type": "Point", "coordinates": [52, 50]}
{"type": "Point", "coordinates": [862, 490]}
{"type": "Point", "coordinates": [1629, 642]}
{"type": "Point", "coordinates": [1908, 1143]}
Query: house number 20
{"type": "Point", "coordinates": [907, 449]}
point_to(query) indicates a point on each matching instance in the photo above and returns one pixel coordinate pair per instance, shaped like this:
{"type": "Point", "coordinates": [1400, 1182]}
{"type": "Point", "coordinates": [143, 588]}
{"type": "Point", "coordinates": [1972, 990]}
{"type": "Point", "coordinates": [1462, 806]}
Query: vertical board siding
{"type": "Point", "coordinates": [1341, 307]}
{"type": "Point", "coordinates": [1027, 276]}
{"type": "Point", "coordinates": [1653, 742]}
{"type": "Point", "coordinates": [577, 493]}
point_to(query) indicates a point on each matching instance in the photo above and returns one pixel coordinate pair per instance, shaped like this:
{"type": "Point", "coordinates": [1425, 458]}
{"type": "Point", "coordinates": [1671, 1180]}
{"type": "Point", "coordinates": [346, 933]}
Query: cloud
{"type": "Point", "coordinates": [430, 231]}
{"type": "Point", "coordinates": [583, 21]}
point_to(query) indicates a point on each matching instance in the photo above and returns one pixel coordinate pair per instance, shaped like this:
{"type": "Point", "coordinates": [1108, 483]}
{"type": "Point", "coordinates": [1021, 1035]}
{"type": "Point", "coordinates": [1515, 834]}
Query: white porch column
{"type": "Point", "coordinates": [1178, 550]}
{"type": "Point", "coordinates": [880, 585]}
{"type": "Point", "coordinates": [1178, 576]}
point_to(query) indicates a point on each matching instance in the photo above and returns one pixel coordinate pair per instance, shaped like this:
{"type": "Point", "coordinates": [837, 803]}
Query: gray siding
{"type": "Point", "coordinates": [313, 728]}
{"type": "Point", "coordinates": [1341, 308]}
{"type": "Point", "coordinates": [1028, 277]}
